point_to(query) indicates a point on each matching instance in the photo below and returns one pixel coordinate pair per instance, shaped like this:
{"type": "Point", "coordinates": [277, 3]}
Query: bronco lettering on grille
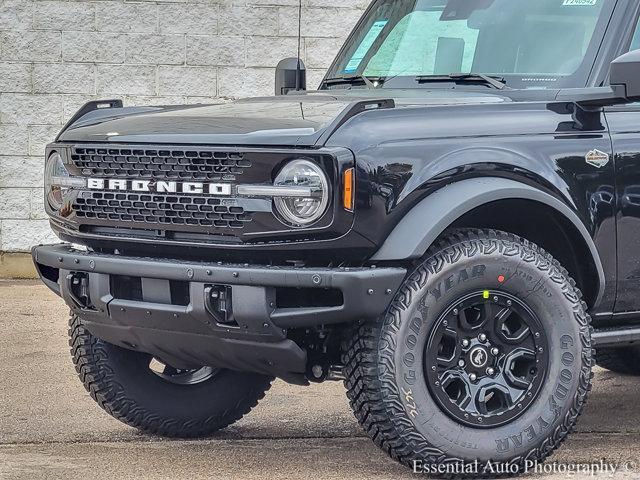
{"type": "Point", "coordinates": [218, 189]}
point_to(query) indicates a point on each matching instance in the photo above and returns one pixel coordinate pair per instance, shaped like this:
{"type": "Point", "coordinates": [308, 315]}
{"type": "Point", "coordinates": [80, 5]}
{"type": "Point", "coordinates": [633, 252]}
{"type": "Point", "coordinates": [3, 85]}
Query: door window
{"type": "Point", "coordinates": [635, 43]}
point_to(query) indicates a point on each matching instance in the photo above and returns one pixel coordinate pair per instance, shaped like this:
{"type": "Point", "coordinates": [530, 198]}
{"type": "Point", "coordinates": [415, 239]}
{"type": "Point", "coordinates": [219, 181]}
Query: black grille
{"type": "Point", "coordinates": [165, 163]}
{"type": "Point", "coordinates": [160, 209]}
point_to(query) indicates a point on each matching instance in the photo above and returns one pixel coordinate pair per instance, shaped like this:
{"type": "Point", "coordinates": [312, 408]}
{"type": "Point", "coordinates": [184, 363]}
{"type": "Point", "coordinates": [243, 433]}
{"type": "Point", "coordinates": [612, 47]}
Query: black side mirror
{"type": "Point", "coordinates": [289, 77]}
{"type": "Point", "coordinates": [625, 71]}
{"type": "Point", "coordinates": [624, 86]}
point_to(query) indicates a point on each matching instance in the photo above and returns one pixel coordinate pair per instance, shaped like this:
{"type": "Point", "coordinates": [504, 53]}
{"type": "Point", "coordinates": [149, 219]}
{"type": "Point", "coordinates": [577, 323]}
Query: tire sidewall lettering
{"type": "Point", "coordinates": [459, 278]}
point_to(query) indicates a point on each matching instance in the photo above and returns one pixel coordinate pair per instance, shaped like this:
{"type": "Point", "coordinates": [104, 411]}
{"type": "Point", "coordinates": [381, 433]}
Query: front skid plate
{"type": "Point", "coordinates": [187, 335]}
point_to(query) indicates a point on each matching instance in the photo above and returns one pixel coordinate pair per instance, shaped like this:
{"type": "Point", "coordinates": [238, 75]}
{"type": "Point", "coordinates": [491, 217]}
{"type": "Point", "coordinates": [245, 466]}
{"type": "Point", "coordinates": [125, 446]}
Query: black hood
{"type": "Point", "coordinates": [293, 120]}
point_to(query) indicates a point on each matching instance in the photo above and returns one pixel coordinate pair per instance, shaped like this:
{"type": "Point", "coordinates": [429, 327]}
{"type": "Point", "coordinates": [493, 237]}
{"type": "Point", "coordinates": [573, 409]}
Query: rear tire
{"type": "Point", "coordinates": [122, 383]}
{"type": "Point", "coordinates": [397, 397]}
{"type": "Point", "coordinates": [624, 360]}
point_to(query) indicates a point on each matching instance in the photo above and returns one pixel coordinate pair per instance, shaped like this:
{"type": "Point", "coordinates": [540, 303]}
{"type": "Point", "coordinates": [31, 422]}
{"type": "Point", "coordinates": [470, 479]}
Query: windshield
{"type": "Point", "coordinates": [531, 44]}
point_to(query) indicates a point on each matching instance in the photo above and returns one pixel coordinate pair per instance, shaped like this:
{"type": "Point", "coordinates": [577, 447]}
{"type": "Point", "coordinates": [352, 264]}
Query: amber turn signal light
{"type": "Point", "coordinates": [348, 187]}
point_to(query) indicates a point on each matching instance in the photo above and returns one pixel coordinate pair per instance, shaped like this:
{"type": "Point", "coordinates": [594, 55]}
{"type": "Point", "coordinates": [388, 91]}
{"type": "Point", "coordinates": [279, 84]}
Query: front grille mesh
{"type": "Point", "coordinates": [164, 163]}
{"type": "Point", "coordinates": [160, 209]}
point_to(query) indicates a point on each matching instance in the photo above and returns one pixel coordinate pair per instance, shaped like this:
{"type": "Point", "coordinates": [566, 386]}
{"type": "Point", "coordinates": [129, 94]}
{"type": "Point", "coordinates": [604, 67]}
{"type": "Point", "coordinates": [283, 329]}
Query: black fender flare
{"type": "Point", "coordinates": [427, 220]}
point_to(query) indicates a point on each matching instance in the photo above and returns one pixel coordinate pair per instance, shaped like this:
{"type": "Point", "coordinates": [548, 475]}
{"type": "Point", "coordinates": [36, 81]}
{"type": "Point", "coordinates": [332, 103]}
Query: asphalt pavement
{"type": "Point", "coordinates": [51, 429]}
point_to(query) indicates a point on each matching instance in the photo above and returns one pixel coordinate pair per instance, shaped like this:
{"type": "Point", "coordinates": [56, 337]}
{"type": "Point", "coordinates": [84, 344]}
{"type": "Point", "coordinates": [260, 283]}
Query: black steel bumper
{"type": "Point", "coordinates": [188, 333]}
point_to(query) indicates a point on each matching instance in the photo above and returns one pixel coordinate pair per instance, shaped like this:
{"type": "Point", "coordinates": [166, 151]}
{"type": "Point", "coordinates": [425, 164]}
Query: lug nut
{"type": "Point", "coordinates": [490, 371]}
{"type": "Point", "coordinates": [473, 377]}
{"type": "Point", "coordinates": [495, 351]}
{"type": "Point", "coordinates": [455, 311]}
{"type": "Point", "coordinates": [461, 363]}
{"type": "Point", "coordinates": [465, 343]}
{"type": "Point", "coordinates": [482, 337]}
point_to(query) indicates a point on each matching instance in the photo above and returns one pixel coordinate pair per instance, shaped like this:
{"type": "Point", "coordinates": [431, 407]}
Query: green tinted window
{"type": "Point", "coordinates": [409, 48]}
{"type": "Point", "coordinates": [532, 44]}
{"type": "Point", "coordinates": [635, 43]}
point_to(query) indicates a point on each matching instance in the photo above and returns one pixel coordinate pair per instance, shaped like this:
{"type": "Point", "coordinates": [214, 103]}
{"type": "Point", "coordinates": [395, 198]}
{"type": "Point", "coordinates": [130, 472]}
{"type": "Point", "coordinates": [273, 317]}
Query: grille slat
{"type": "Point", "coordinates": [164, 210]}
{"type": "Point", "coordinates": [172, 163]}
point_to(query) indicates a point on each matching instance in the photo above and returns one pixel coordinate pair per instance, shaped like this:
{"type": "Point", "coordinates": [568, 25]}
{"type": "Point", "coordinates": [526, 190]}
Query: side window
{"type": "Point", "coordinates": [635, 43]}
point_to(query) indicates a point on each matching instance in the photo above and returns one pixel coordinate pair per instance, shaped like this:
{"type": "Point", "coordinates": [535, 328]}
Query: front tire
{"type": "Point", "coordinates": [396, 386]}
{"type": "Point", "coordinates": [161, 401]}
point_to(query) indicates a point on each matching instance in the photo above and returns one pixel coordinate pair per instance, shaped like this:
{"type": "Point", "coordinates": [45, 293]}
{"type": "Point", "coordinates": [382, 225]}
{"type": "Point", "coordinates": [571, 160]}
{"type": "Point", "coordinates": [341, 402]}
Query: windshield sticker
{"type": "Point", "coordinates": [365, 45]}
{"type": "Point", "coordinates": [579, 3]}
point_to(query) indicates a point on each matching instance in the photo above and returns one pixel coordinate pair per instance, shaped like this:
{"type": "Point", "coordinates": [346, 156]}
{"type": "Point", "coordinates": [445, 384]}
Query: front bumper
{"type": "Point", "coordinates": [187, 333]}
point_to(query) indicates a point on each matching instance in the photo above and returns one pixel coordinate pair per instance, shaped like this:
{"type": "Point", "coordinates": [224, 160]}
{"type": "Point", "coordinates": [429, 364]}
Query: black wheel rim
{"type": "Point", "coordinates": [178, 376]}
{"type": "Point", "coordinates": [486, 359]}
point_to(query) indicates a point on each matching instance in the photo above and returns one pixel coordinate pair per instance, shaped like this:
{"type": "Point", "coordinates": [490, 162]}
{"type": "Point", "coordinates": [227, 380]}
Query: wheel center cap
{"type": "Point", "coordinates": [479, 357]}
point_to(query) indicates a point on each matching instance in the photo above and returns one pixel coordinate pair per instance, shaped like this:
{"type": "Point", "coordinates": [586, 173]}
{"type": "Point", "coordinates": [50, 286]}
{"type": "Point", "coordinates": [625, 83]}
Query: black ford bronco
{"type": "Point", "coordinates": [449, 224]}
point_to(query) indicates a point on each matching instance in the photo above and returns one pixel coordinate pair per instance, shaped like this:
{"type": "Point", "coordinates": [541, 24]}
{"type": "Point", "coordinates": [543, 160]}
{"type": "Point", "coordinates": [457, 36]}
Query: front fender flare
{"type": "Point", "coordinates": [420, 228]}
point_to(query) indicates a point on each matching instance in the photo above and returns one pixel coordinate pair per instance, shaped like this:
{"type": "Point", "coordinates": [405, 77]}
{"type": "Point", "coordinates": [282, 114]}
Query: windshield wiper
{"type": "Point", "coordinates": [351, 80]}
{"type": "Point", "coordinates": [495, 82]}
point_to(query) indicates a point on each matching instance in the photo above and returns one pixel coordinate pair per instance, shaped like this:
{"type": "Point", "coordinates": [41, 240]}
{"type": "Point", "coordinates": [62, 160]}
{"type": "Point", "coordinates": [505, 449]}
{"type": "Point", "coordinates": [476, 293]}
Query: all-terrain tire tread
{"type": "Point", "coordinates": [368, 353]}
{"type": "Point", "coordinates": [92, 365]}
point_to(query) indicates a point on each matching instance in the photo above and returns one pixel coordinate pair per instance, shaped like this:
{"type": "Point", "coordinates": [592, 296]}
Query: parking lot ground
{"type": "Point", "coordinates": [50, 428]}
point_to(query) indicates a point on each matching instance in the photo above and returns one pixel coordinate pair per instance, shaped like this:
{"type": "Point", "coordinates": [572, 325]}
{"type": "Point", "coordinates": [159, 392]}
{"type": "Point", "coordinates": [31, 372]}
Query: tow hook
{"type": "Point", "coordinates": [218, 303]}
{"type": "Point", "coordinates": [78, 288]}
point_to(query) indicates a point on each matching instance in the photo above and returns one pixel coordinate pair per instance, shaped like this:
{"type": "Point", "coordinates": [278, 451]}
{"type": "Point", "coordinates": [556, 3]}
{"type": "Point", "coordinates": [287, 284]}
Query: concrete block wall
{"type": "Point", "coordinates": [57, 54]}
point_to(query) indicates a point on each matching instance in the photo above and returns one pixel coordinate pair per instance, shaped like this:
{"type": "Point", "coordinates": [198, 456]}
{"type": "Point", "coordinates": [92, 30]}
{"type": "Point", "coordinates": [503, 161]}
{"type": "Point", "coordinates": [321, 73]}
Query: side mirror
{"type": "Point", "coordinates": [625, 71]}
{"type": "Point", "coordinates": [624, 80]}
{"type": "Point", "coordinates": [289, 78]}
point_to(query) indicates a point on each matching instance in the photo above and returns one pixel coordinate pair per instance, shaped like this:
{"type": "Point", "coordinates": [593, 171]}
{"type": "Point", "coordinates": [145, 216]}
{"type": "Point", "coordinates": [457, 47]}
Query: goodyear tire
{"type": "Point", "coordinates": [158, 399]}
{"type": "Point", "coordinates": [433, 383]}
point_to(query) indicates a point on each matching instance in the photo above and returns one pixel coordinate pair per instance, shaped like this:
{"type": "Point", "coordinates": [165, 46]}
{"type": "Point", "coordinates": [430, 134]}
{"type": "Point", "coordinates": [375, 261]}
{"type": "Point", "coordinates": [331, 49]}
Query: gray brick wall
{"type": "Point", "coordinates": [56, 55]}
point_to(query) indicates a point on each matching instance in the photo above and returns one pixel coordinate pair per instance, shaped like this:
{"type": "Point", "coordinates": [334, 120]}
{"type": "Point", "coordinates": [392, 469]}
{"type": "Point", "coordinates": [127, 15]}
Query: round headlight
{"type": "Point", "coordinates": [302, 210]}
{"type": "Point", "coordinates": [55, 171]}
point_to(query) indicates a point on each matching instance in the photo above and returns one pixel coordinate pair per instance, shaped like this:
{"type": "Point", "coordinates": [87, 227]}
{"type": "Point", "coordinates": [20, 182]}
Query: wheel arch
{"type": "Point", "coordinates": [490, 203]}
